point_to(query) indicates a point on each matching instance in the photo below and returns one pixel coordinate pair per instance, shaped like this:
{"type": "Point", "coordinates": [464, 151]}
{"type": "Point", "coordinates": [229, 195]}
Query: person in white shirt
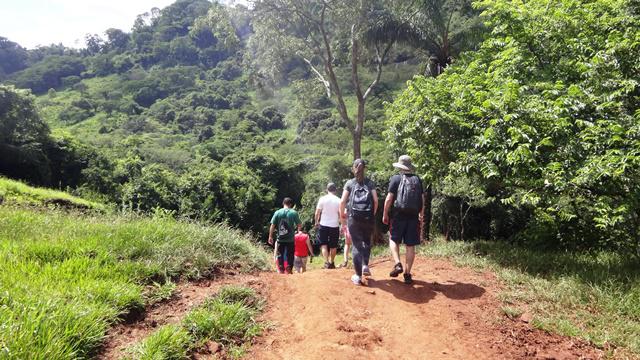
{"type": "Point", "coordinates": [328, 225]}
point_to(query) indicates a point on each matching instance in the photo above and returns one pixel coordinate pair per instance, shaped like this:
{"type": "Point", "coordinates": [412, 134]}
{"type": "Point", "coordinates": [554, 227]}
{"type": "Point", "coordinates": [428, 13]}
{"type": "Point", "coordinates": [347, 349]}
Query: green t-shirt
{"type": "Point", "coordinates": [292, 219]}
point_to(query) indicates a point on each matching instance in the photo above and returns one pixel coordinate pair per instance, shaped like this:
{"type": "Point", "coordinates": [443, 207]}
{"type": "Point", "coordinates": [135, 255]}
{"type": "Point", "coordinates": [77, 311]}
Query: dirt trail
{"type": "Point", "coordinates": [448, 313]}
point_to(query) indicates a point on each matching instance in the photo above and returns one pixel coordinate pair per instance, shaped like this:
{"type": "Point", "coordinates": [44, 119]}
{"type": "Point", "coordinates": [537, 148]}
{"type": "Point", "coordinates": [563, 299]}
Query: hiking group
{"type": "Point", "coordinates": [354, 215]}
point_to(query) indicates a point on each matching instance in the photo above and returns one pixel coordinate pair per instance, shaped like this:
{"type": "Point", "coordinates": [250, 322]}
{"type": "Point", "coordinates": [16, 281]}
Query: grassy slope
{"type": "Point", "coordinates": [67, 277]}
{"type": "Point", "coordinates": [593, 296]}
{"type": "Point", "coordinates": [17, 193]}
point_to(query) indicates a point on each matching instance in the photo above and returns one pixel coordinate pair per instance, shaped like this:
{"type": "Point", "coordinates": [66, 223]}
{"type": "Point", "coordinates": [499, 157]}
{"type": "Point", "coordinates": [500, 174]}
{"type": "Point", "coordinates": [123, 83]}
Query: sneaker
{"type": "Point", "coordinates": [397, 270]}
{"type": "Point", "coordinates": [331, 266]}
{"type": "Point", "coordinates": [356, 280]}
{"type": "Point", "coordinates": [366, 271]}
{"type": "Point", "coordinates": [407, 279]}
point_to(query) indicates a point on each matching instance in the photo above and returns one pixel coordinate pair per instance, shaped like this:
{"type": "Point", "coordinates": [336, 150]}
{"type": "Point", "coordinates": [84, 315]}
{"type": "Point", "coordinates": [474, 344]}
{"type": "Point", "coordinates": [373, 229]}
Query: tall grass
{"type": "Point", "coordinates": [228, 319]}
{"type": "Point", "coordinates": [595, 296]}
{"type": "Point", "coordinates": [18, 193]}
{"type": "Point", "coordinates": [67, 277]}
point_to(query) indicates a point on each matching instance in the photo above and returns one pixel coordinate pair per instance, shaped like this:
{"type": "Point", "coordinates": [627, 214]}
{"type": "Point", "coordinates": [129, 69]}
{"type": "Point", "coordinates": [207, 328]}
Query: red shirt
{"type": "Point", "coordinates": [300, 247]}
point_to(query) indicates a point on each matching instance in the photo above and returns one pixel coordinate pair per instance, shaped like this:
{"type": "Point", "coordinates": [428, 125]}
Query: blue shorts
{"type": "Point", "coordinates": [405, 230]}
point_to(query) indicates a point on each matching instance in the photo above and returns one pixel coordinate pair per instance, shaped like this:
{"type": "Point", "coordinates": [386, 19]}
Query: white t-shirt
{"type": "Point", "coordinates": [330, 206]}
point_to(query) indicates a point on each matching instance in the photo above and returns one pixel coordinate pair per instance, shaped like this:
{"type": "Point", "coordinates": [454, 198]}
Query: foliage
{"type": "Point", "coordinates": [543, 117]}
{"type": "Point", "coordinates": [48, 73]}
{"type": "Point", "coordinates": [13, 57]}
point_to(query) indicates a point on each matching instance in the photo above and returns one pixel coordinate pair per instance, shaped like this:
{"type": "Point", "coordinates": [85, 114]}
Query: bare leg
{"type": "Point", "coordinates": [395, 252]}
{"type": "Point", "coordinates": [332, 253]}
{"type": "Point", "coordinates": [325, 252]}
{"type": "Point", "coordinates": [411, 254]}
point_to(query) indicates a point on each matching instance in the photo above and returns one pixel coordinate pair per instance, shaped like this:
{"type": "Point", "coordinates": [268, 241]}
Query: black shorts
{"type": "Point", "coordinates": [405, 230]}
{"type": "Point", "coordinates": [329, 236]}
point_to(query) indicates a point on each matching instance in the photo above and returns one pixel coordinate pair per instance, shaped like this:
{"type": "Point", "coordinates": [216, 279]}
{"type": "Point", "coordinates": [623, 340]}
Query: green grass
{"type": "Point", "coordinates": [66, 277]}
{"type": "Point", "coordinates": [18, 193]}
{"type": "Point", "coordinates": [595, 296]}
{"type": "Point", "coordinates": [228, 319]}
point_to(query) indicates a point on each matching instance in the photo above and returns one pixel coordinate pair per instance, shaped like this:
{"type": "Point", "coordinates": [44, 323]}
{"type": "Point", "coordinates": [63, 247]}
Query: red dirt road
{"type": "Point", "coordinates": [448, 313]}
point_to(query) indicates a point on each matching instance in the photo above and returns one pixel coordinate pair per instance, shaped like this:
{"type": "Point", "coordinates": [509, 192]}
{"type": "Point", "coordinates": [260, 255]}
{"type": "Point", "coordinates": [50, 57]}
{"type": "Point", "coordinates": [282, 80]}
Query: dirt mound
{"type": "Point", "coordinates": [448, 313]}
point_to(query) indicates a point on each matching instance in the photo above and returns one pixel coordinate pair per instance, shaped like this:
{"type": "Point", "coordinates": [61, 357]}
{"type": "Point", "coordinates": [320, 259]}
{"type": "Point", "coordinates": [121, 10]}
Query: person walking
{"type": "Point", "coordinates": [328, 223]}
{"type": "Point", "coordinates": [360, 200]}
{"type": "Point", "coordinates": [283, 222]}
{"type": "Point", "coordinates": [406, 197]}
{"type": "Point", "coordinates": [347, 242]}
{"type": "Point", "coordinates": [302, 251]}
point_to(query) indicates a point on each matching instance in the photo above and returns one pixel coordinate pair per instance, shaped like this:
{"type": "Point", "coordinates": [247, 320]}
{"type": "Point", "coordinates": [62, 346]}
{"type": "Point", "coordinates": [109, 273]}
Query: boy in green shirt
{"type": "Point", "coordinates": [284, 221]}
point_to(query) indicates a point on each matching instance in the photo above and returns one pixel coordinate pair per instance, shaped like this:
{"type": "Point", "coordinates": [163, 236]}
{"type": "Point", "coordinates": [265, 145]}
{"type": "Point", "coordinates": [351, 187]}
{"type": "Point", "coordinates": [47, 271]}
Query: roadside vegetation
{"type": "Point", "coordinates": [17, 193]}
{"type": "Point", "coordinates": [228, 319]}
{"type": "Point", "coordinates": [594, 296]}
{"type": "Point", "coordinates": [67, 277]}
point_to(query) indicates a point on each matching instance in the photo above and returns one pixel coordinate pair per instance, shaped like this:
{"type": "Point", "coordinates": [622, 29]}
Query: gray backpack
{"type": "Point", "coordinates": [409, 196]}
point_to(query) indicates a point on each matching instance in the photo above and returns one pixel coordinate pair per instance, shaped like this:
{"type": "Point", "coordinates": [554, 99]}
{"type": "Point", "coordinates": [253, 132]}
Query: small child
{"type": "Point", "coordinates": [302, 250]}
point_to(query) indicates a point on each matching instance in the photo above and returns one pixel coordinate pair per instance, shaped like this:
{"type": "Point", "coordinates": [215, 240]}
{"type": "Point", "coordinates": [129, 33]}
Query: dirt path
{"type": "Point", "coordinates": [448, 313]}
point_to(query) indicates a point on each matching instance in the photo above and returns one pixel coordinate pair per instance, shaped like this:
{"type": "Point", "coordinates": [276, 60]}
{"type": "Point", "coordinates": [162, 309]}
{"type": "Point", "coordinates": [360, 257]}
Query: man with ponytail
{"type": "Point", "coordinates": [360, 200]}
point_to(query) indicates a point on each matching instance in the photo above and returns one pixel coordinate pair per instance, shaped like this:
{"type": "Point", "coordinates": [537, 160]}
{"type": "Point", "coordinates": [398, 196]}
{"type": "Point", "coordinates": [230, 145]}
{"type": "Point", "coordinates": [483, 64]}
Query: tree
{"type": "Point", "coordinates": [444, 29]}
{"type": "Point", "coordinates": [13, 57]}
{"type": "Point", "coordinates": [544, 117]}
{"type": "Point", "coordinates": [320, 32]}
{"type": "Point", "coordinates": [116, 39]}
{"type": "Point", "coordinates": [95, 44]}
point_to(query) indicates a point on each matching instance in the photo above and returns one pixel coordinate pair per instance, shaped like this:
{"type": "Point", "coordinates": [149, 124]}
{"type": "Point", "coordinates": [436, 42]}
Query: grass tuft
{"type": "Point", "coordinates": [228, 319]}
{"type": "Point", "coordinates": [170, 342]}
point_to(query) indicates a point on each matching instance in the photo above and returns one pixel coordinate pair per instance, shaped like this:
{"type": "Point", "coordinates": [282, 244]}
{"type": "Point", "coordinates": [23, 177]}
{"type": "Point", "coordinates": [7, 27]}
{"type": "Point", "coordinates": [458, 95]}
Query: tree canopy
{"type": "Point", "coordinates": [543, 117]}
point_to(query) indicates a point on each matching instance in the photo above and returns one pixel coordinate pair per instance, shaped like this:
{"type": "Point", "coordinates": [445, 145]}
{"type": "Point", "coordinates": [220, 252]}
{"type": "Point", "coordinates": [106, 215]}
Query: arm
{"type": "Point", "coordinates": [271, 228]}
{"type": "Point", "coordinates": [317, 217]}
{"type": "Point", "coordinates": [343, 204]}
{"type": "Point", "coordinates": [309, 245]}
{"type": "Point", "coordinates": [375, 201]}
{"type": "Point", "coordinates": [387, 207]}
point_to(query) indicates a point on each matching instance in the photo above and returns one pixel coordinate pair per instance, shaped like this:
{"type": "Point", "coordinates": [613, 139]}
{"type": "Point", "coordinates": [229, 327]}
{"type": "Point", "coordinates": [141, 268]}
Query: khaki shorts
{"type": "Point", "coordinates": [300, 263]}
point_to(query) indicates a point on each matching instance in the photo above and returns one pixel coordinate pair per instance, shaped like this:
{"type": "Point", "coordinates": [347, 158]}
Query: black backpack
{"type": "Point", "coordinates": [361, 202]}
{"type": "Point", "coordinates": [409, 196]}
{"type": "Point", "coordinates": [284, 228]}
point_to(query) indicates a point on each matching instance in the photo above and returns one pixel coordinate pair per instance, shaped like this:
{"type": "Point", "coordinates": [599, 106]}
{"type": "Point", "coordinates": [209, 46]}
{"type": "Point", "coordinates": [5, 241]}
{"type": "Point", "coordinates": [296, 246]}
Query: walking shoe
{"type": "Point", "coordinates": [397, 270]}
{"type": "Point", "coordinates": [408, 279]}
{"type": "Point", "coordinates": [326, 265]}
{"type": "Point", "coordinates": [331, 266]}
{"type": "Point", "coordinates": [366, 271]}
{"type": "Point", "coordinates": [356, 280]}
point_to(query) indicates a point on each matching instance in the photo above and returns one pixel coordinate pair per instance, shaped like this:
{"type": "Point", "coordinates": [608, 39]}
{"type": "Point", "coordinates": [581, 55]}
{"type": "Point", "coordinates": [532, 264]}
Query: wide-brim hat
{"type": "Point", "coordinates": [404, 163]}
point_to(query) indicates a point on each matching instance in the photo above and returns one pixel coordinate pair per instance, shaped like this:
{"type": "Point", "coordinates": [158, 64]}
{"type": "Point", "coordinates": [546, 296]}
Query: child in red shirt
{"type": "Point", "coordinates": [302, 250]}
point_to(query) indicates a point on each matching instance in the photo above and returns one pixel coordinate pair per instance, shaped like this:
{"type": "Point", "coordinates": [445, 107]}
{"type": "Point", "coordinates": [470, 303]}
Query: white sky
{"type": "Point", "coordinates": [40, 22]}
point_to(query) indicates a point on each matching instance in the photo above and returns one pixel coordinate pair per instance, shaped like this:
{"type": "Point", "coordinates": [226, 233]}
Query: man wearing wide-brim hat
{"type": "Point", "coordinates": [404, 213]}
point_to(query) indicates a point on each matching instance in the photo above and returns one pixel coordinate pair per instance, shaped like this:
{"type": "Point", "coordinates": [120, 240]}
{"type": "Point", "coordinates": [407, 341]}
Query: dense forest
{"type": "Point", "coordinates": [522, 117]}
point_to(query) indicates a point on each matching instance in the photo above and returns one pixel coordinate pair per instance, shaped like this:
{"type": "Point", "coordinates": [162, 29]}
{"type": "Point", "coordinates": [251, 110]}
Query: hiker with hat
{"type": "Point", "coordinates": [328, 223]}
{"type": "Point", "coordinates": [406, 197]}
{"type": "Point", "coordinates": [360, 200]}
{"type": "Point", "coordinates": [284, 222]}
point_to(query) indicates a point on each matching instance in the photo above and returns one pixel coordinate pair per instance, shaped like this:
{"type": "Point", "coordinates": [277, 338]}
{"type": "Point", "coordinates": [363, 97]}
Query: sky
{"type": "Point", "coordinates": [42, 22]}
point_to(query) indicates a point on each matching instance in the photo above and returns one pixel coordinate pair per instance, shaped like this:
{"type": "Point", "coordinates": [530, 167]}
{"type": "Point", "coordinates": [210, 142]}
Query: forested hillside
{"type": "Point", "coordinates": [191, 112]}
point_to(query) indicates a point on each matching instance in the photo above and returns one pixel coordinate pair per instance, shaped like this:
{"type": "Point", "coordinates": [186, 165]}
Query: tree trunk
{"type": "Point", "coordinates": [357, 134]}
